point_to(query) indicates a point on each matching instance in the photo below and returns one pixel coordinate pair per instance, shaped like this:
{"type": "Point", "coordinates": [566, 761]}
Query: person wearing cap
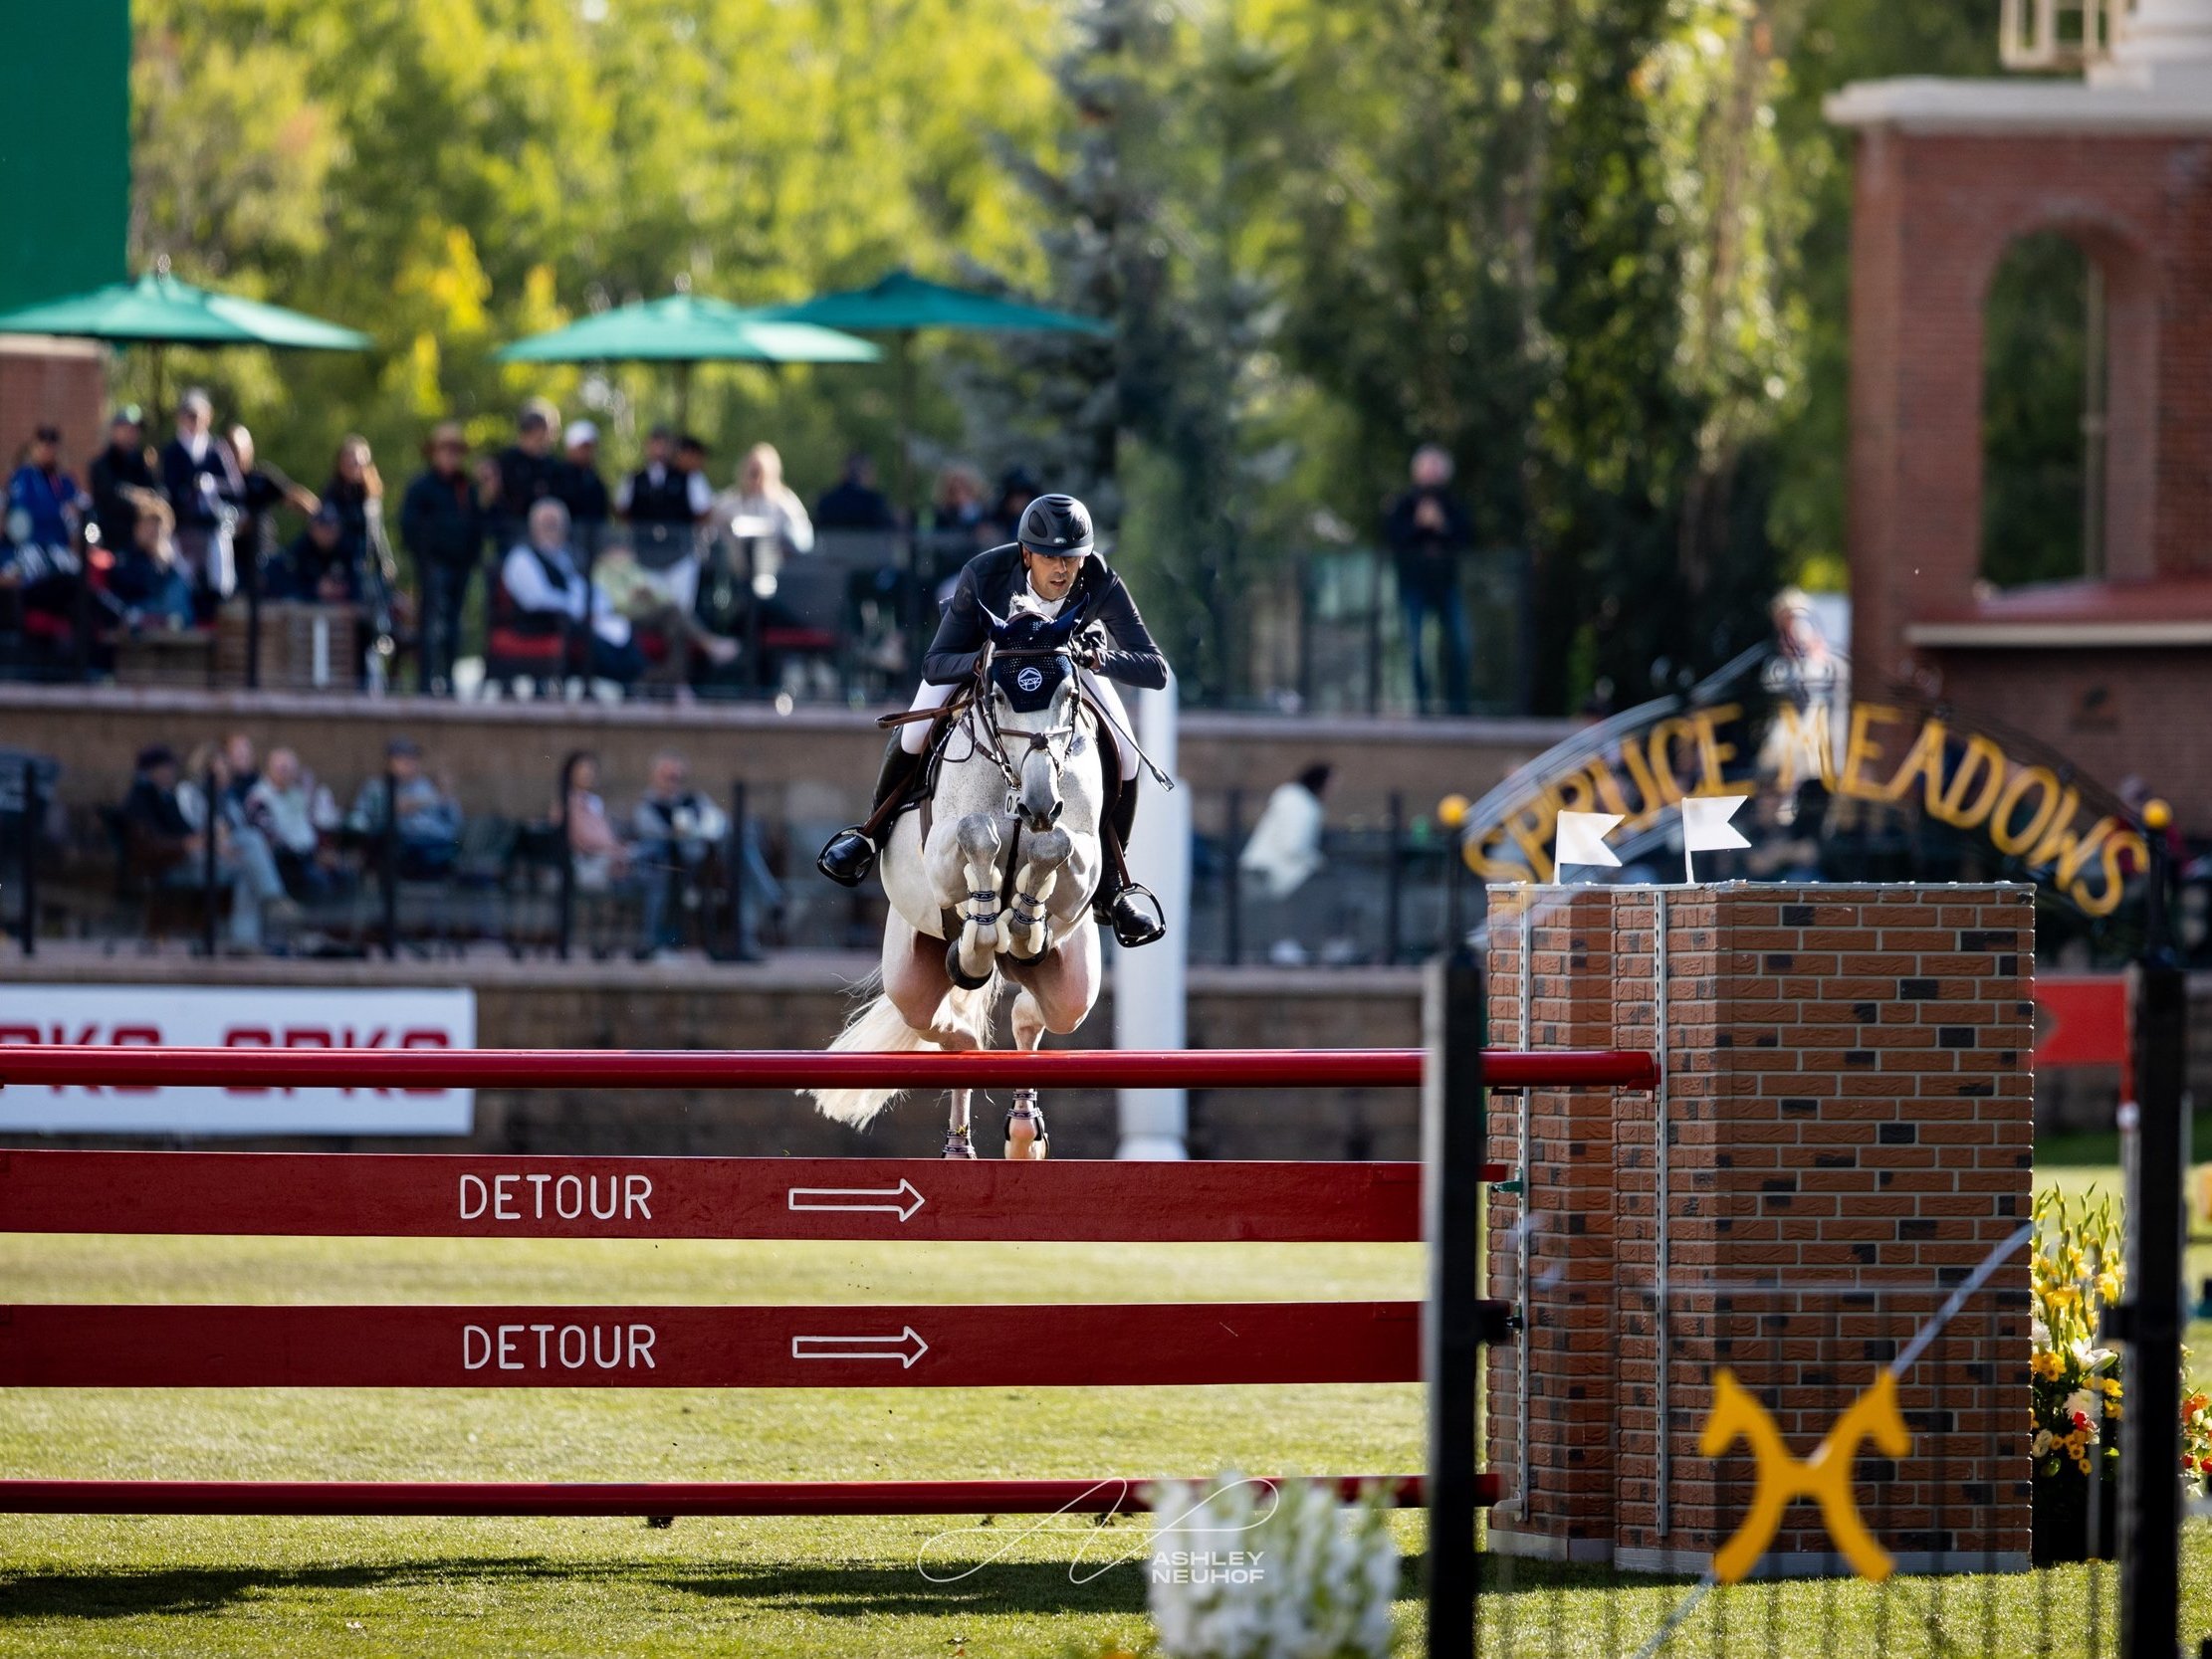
{"type": "Point", "coordinates": [1051, 570]}
{"type": "Point", "coordinates": [121, 477]}
{"type": "Point", "coordinates": [529, 471]}
{"type": "Point", "coordinates": [45, 506]}
{"type": "Point", "coordinates": [443, 519]}
{"type": "Point", "coordinates": [429, 817]}
{"type": "Point", "coordinates": [579, 487]}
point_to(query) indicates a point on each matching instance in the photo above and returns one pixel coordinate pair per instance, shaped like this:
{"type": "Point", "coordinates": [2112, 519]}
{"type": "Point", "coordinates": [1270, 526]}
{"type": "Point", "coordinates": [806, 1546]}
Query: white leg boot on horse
{"type": "Point", "coordinates": [1028, 919]}
{"type": "Point", "coordinates": [973, 958]}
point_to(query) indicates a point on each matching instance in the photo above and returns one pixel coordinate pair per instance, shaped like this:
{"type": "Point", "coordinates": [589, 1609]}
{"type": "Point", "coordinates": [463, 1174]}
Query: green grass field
{"type": "Point", "coordinates": [826, 1588]}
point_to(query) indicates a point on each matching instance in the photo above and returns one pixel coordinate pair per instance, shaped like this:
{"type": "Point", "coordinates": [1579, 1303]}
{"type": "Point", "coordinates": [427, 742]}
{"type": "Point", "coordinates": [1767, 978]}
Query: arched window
{"type": "Point", "coordinates": [2043, 414]}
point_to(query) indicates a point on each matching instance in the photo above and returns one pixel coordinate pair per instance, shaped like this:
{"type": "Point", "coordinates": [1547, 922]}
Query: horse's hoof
{"type": "Point", "coordinates": [1027, 1136]}
{"type": "Point", "coordinates": [959, 1146]}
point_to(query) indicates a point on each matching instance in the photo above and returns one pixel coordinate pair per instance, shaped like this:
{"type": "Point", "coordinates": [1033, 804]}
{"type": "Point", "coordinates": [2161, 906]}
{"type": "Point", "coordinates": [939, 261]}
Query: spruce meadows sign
{"type": "Point", "coordinates": [1885, 755]}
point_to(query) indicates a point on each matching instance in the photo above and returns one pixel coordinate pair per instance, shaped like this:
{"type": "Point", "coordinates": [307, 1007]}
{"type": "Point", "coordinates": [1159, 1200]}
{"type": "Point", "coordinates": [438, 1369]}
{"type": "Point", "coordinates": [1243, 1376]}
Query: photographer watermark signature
{"type": "Point", "coordinates": [1087, 1515]}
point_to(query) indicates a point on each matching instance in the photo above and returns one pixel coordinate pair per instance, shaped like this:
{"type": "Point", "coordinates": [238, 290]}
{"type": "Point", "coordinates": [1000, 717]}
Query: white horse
{"type": "Point", "coordinates": [991, 883]}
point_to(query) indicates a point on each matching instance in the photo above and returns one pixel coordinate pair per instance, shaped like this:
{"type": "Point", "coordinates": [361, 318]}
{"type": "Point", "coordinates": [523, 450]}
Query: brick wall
{"type": "Point", "coordinates": [56, 381]}
{"type": "Point", "coordinates": [1847, 1132]}
{"type": "Point", "coordinates": [1933, 215]}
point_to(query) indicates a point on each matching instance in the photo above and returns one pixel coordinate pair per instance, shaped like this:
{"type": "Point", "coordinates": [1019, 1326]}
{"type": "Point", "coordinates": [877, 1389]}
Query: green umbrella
{"type": "Point", "coordinates": [160, 310]}
{"type": "Point", "coordinates": [902, 304]}
{"type": "Point", "coordinates": [683, 330]}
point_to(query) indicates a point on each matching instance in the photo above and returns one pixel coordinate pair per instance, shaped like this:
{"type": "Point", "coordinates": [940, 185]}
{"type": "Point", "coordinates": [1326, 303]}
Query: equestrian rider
{"type": "Point", "coordinates": [1051, 568]}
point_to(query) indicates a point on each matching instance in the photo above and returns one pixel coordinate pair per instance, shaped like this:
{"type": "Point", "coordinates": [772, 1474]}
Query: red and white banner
{"type": "Point", "coordinates": [241, 1016]}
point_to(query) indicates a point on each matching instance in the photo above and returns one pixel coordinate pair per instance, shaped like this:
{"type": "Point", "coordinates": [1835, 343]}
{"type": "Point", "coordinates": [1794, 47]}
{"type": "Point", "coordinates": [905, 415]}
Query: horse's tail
{"type": "Point", "coordinates": [877, 1027]}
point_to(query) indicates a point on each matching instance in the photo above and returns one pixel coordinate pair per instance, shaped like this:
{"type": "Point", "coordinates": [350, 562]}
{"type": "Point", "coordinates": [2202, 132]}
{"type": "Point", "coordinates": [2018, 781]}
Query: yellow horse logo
{"type": "Point", "coordinates": [1824, 1476]}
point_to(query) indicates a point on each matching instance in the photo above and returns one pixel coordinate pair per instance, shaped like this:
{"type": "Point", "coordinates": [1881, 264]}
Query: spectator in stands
{"type": "Point", "coordinates": [443, 519]}
{"type": "Point", "coordinates": [1429, 534]}
{"type": "Point", "coordinates": [316, 566]}
{"type": "Point", "coordinates": [761, 505]}
{"type": "Point", "coordinates": [264, 491]}
{"type": "Point", "coordinates": [356, 493]}
{"type": "Point", "coordinates": [122, 476]}
{"type": "Point", "coordinates": [241, 764]}
{"type": "Point", "coordinates": [581, 487]}
{"type": "Point", "coordinates": [854, 503]}
{"type": "Point", "coordinates": [660, 492]}
{"type": "Point", "coordinates": [156, 833]}
{"type": "Point", "coordinates": [1018, 488]}
{"type": "Point", "coordinates": [429, 817]}
{"type": "Point", "coordinates": [45, 506]}
{"type": "Point", "coordinates": [601, 859]}
{"type": "Point", "coordinates": [244, 864]}
{"type": "Point", "coordinates": [148, 581]}
{"type": "Point", "coordinates": [674, 831]}
{"type": "Point", "coordinates": [529, 471]}
{"type": "Point", "coordinates": [280, 808]}
{"type": "Point", "coordinates": [958, 502]}
{"type": "Point", "coordinates": [542, 579]}
{"type": "Point", "coordinates": [200, 475]}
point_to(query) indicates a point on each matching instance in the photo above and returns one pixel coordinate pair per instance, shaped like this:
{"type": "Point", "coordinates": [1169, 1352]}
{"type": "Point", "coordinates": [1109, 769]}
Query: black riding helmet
{"type": "Point", "coordinates": [1059, 525]}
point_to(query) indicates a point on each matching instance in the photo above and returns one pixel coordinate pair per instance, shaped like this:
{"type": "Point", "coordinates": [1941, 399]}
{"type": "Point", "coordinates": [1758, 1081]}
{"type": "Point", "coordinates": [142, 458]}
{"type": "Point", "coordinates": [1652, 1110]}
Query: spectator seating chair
{"type": "Point", "coordinates": [520, 648]}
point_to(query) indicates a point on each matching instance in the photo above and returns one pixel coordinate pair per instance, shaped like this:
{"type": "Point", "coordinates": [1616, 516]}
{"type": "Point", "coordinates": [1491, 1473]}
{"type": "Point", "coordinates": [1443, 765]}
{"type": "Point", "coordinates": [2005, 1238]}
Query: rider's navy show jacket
{"type": "Point", "coordinates": [988, 585]}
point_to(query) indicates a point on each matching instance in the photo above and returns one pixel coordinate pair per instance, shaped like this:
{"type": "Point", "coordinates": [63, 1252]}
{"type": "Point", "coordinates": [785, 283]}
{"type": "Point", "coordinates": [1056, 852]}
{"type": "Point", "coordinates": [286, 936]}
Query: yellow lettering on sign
{"type": "Point", "coordinates": [1825, 1476]}
{"type": "Point", "coordinates": [1860, 747]}
{"type": "Point", "coordinates": [1478, 850]}
{"type": "Point", "coordinates": [2001, 831]}
{"type": "Point", "coordinates": [1805, 739]}
{"type": "Point", "coordinates": [1924, 761]}
{"type": "Point", "coordinates": [1655, 800]}
{"type": "Point", "coordinates": [1986, 758]}
{"type": "Point", "coordinates": [1711, 752]}
{"type": "Point", "coordinates": [1667, 767]}
{"type": "Point", "coordinates": [2128, 845]}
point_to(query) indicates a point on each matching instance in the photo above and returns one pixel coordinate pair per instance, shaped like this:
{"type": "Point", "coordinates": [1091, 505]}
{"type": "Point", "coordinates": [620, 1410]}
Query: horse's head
{"type": "Point", "coordinates": [1034, 707]}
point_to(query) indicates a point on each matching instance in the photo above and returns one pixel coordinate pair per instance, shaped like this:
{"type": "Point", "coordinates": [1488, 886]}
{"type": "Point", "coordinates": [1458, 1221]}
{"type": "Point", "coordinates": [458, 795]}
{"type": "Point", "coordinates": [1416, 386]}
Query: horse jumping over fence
{"type": "Point", "coordinates": [991, 883]}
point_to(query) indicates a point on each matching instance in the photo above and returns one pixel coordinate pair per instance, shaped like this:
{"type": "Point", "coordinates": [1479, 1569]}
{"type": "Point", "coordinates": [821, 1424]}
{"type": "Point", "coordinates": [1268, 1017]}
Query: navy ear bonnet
{"type": "Point", "coordinates": [1030, 681]}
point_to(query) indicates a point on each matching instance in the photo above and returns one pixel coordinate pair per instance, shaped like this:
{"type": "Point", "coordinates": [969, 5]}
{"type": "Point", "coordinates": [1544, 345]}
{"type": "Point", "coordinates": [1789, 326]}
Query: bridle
{"type": "Point", "coordinates": [1058, 742]}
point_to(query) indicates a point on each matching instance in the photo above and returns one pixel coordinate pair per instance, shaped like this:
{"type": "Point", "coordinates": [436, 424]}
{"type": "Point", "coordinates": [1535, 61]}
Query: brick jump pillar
{"type": "Point", "coordinates": [1844, 1136]}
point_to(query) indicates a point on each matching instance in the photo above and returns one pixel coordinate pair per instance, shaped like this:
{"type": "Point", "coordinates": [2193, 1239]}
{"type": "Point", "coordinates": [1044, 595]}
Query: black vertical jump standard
{"type": "Point", "coordinates": [1456, 1322]}
{"type": "Point", "coordinates": [34, 818]}
{"type": "Point", "coordinates": [2152, 1318]}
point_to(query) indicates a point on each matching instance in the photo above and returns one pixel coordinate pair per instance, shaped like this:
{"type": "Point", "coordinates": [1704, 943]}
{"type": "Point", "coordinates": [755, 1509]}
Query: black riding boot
{"type": "Point", "coordinates": [851, 853]}
{"type": "Point", "coordinates": [1129, 908]}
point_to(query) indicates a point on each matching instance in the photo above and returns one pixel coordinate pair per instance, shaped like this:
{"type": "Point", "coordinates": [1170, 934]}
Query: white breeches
{"type": "Point", "coordinates": [913, 737]}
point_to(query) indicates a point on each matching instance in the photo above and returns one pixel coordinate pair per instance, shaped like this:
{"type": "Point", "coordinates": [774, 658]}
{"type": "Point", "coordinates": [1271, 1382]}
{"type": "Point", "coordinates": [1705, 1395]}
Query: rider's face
{"type": "Point", "coordinates": [1051, 576]}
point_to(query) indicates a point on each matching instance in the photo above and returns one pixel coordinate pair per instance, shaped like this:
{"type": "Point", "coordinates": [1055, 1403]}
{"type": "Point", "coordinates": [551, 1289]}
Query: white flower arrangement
{"type": "Point", "coordinates": [1243, 1572]}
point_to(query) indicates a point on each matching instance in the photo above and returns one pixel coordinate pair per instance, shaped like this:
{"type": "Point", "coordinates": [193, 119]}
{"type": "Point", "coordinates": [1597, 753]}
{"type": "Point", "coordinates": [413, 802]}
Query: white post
{"type": "Point", "coordinates": [1148, 982]}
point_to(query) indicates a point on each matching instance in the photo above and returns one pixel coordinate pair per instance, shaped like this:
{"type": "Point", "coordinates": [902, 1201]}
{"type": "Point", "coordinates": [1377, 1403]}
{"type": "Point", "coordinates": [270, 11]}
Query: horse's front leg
{"type": "Point", "coordinates": [1029, 923]}
{"type": "Point", "coordinates": [973, 957]}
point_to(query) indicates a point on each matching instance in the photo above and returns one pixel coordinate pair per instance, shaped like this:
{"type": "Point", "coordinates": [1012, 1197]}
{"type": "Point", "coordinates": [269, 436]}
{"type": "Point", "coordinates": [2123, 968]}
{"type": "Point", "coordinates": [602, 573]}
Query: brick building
{"type": "Point", "coordinates": [1950, 174]}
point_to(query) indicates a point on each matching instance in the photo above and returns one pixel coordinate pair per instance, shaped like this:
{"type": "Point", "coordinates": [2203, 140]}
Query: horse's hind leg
{"type": "Point", "coordinates": [919, 987]}
{"type": "Point", "coordinates": [1026, 1136]}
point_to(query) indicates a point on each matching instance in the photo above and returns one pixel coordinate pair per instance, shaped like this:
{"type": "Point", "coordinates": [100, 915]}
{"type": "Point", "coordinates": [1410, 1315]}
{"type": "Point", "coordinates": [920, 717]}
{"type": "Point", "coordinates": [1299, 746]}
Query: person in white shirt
{"type": "Point", "coordinates": [542, 577]}
{"type": "Point", "coordinates": [760, 506]}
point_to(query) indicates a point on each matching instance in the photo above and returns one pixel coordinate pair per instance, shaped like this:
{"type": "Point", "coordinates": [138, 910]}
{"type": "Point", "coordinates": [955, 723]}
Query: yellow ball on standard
{"type": "Point", "coordinates": [1452, 811]}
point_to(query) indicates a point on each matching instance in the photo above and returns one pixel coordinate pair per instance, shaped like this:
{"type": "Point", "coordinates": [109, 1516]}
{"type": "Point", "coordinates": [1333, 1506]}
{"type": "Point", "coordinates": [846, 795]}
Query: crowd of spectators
{"type": "Point", "coordinates": [651, 577]}
{"type": "Point", "coordinates": [273, 846]}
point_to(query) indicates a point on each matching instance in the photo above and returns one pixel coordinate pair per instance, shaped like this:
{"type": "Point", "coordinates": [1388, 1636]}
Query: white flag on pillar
{"type": "Point", "coordinates": [1581, 839]}
{"type": "Point", "coordinates": [1706, 828]}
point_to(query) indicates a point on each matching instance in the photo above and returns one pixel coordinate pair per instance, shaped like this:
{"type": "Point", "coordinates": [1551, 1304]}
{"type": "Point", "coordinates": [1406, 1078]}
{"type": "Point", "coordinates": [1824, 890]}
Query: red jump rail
{"type": "Point", "coordinates": [471, 1195]}
{"type": "Point", "coordinates": [241, 1068]}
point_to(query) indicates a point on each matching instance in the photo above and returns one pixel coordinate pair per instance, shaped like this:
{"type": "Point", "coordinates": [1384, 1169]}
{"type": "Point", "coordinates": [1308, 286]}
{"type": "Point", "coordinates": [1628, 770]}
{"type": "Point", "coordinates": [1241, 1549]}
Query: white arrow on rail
{"type": "Point", "coordinates": [906, 1348]}
{"type": "Point", "coordinates": [901, 1201]}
